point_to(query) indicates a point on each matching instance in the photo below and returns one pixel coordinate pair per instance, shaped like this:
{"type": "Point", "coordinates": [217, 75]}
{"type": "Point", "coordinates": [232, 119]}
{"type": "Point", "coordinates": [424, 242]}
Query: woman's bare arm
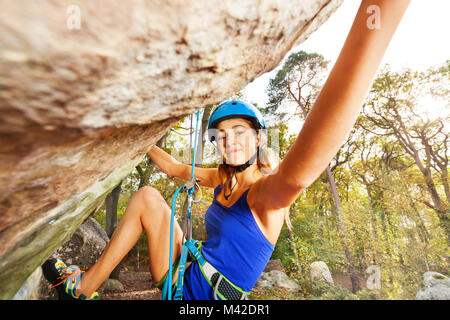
{"type": "Point", "coordinates": [337, 106]}
{"type": "Point", "coordinates": [169, 165]}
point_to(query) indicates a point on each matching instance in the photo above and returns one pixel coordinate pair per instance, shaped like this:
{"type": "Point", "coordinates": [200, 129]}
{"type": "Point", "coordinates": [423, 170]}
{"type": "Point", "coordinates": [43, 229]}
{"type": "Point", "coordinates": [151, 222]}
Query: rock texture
{"type": "Point", "coordinates": [82, 250]}
{"type": "Point", "coordinates": [85, 246]}
{"type": "Point", "coordinates": [435, 286]}
{"type": "Point", "coordinates": [79, 107]}
{"type": "Point", "coordinates": [274, 264]}
{"type": "Point", "coordinates": [30, 288]}
{"type": "Point", "coordinates": [276, 279]}
{"type": "Point", "coordinates": [319, 272]}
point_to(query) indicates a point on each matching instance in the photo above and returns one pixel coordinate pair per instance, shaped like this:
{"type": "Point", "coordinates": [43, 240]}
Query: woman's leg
{"type": "Point", "coordinates": [146, 210]}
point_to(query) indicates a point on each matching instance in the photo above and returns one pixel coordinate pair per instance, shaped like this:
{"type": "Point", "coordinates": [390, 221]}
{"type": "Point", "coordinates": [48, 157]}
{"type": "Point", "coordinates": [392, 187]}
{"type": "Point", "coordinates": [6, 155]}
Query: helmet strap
{"type": "Point", "coordinates": [239, 168]}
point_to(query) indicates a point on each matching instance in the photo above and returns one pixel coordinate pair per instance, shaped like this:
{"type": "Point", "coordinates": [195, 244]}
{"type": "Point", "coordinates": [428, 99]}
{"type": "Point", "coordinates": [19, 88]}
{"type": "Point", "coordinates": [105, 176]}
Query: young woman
{"type": "Point", "coordinates": [251, 197]}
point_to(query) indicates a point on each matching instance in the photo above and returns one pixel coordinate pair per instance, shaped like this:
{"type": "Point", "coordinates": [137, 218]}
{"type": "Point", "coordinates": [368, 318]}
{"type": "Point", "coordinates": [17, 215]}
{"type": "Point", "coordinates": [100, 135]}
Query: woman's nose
{"type": "Point", "coordinates": [230, 137]}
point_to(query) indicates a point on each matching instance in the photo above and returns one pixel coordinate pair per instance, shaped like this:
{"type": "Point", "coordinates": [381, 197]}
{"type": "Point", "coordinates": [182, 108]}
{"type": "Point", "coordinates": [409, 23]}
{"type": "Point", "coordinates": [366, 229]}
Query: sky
{"type": "Point", "coordinates": [420, 41]}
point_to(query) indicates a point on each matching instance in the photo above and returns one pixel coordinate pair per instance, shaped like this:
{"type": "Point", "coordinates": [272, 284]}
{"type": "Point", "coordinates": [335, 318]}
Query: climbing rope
{"type": "Point", "coordinates": [188, 187]}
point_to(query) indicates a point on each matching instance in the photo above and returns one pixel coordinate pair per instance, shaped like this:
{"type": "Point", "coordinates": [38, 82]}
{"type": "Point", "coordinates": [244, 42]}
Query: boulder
{"type": "Point", "coordinates": [85, 246]}
{"type": "Point", "coordinates": [274, 265]}
{"type": "Point", "coordinates": [320, 272]}
{"type": "Point", "coordinates": [86, 90]}
{"type": "Point", "coordinates": [276, 279]}
{"type": "Point", "coordinates": [83, 249]}
{"type": "Point", "coordinates": [111, 285]}
{"type": "Point", "coordinates": [435, 286]}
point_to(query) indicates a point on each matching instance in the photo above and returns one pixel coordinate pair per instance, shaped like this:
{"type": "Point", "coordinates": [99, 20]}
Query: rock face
{"type": "Point", "coordinates": [436, 286]}
{"type": "Point", "coordinates": [83, 249]}
{"type": "Point", "coordinates": [85, 246]}
{"type": "Point", "coordinates": [86, 89]}
{"type": "Point", "coordinates": [320, 272]}
{"type": "Point", "coordinates": [30, 288]}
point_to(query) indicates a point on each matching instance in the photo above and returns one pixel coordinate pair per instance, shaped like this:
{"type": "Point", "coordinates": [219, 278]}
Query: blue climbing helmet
{"type": "Point", "coordinates": [235, 109]}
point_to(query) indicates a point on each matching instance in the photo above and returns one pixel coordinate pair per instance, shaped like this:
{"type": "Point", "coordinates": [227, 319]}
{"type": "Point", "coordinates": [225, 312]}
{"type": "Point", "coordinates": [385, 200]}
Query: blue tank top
{"type": "Point", "coordinates": [235, 246]}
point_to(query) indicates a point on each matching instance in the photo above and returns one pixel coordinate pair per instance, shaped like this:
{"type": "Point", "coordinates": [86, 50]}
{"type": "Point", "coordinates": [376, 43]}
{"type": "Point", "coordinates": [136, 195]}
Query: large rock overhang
{"type": "Point", "coordinates": [81, 104]}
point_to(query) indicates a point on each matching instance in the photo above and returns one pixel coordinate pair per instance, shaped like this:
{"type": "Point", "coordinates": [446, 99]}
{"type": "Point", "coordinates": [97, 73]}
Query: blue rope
{"type": "Point", "coordinates": [191, 190]}
{"type": "Point", "coordinates": [167, 292]}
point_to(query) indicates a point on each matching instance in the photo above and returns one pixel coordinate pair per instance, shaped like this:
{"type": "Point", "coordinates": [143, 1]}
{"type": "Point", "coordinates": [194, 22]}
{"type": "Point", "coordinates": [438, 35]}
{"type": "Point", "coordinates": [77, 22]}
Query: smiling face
{"type": "Point", "coordinates": [237, 140]}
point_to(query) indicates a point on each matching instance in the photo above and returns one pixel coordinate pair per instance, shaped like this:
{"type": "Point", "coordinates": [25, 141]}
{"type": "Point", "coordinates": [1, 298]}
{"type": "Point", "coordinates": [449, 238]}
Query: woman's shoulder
{"type": "Point", "coordinates": [259, 192]}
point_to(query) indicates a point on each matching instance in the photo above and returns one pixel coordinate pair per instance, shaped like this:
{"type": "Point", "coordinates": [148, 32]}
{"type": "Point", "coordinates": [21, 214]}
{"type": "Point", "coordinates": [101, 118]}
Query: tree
{"type": "Point", "coordinates": [392, 109]}
{"type": "Point", "coordinates": [201, 135]}
{"type": "Point", "coordinates": [111, 202]}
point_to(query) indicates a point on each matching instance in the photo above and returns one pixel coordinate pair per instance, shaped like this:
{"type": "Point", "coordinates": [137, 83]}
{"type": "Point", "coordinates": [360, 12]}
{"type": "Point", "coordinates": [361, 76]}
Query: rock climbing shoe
{"type": "Point", "coordinates": [64, 279]}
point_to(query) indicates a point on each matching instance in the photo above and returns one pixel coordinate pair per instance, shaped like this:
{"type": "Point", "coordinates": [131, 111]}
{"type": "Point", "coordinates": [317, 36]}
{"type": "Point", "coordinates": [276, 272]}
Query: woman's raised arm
{"type": "Point", "coordinates": [169, 165]}
{"type": "Point", "coordinates": [338, 104]}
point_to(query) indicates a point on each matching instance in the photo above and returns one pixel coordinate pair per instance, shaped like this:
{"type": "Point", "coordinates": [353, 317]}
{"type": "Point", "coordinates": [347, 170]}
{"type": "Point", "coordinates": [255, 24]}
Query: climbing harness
{"type": "Point", "coordinates": [223, 288]}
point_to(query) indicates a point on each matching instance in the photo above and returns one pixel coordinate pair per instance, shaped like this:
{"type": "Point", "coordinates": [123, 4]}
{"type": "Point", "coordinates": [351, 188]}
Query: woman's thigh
{"type": "Point", "coordinates": [156, 222]}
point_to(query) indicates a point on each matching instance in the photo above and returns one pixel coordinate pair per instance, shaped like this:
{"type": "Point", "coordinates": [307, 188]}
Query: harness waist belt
{"type": "Point", "coordinates": [223, 287]}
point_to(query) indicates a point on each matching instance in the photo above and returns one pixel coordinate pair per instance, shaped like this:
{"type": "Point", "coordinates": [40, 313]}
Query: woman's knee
{"type": "Point", "coordinates": [151, 198]}
{"type": "Point", "coordinates": [148, 192]}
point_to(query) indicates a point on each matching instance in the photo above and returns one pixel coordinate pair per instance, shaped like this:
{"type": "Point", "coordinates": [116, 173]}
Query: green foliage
{"type": "Point", "coordinates": [297, 83]}
{"type": "Point", "coordinates": [387, 208]}
{"type": "Point", "coordinates": [366, 294]}
{"type": "Point", "coordinates": [324, 291]}
{"type": "Point", "coordinates": [320, 290]}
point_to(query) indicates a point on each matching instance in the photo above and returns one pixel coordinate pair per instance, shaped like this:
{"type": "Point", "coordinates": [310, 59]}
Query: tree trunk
{"type": "Point", "coordinates": [201, 136]}
{"type": "Point", "coordinates": [373, 206]}
{"type": "Point", "coordinates": [337, 208]}
{"type": "Point", "coordinates": [111, 220]}
{"type": "Point", "coordinates": [287, 219]}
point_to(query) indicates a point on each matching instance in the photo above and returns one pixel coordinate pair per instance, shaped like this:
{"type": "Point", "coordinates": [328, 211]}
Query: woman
{"type": "Point", "coordinates": [247, 214]}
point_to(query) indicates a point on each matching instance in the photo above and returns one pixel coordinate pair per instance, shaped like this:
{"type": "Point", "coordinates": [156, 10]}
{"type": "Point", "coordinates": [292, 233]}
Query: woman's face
{"type": "Point", "coordinates": [236, 140]}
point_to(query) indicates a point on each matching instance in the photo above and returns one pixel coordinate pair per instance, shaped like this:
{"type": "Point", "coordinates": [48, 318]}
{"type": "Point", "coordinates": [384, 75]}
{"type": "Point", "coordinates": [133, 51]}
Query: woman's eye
{"type": "Point", "coordinates": [237, 133]}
